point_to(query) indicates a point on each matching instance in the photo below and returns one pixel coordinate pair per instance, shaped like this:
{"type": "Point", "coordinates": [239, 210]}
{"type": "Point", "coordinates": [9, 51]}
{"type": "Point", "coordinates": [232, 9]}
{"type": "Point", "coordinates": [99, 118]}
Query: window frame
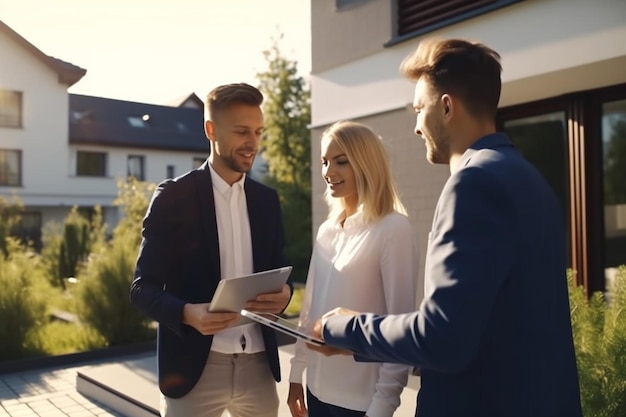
{"type": "Point", "coordinates": [19, 124]}
{"type": "Point", "coordinates": [586, 187]}
{"type": "Point", "coordinates": [104, 157]}
{"type": "Point", "coordinates": [142, 167]}
{"type": "Point", "coordinates": [19, 176]}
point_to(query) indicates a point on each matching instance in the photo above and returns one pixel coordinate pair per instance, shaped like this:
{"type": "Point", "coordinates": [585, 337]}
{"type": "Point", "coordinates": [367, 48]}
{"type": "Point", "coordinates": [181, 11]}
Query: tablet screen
{"type": "Point", "coordinates": [281, 324]}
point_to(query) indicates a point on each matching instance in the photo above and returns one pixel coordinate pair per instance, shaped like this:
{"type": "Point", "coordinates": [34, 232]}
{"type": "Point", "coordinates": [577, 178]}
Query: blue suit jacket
{"type": "Point", "coordinates": [493, 334]}
{"type": "Point", "coordinates": [179, 263]}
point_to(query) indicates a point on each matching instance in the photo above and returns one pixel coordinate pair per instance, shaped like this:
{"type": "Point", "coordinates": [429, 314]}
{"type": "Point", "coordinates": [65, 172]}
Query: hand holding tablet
{"type": "Point", "coordinates": [232, 294]}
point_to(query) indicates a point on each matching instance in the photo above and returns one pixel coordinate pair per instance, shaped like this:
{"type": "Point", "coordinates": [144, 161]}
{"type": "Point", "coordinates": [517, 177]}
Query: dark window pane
{"type": "Point", "coordinates": [91, 164]}
{"type": "Point", "coordinates": [614, 161]}
{"type": "Point", "coordinates": [136, 167]}
{"type": "Point", "coordinates": [542, 140]}
{"type": "Point", "coordinates": [10, 167]}
{"type": "Point", "coordinates": [10, 108]}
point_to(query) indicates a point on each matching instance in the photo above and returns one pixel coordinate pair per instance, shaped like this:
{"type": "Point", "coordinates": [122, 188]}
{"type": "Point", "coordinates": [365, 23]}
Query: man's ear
{"type": "Point", "coordinates": [209, 130]}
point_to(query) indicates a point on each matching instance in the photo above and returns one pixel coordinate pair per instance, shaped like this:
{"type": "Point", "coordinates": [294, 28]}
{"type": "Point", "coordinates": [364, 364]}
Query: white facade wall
{"type": "Point", "coordinates": [43, 137]}
{"type": "Point", "coordinates": [548, 47]}
{"type": "Point", "coordinates": [50, 185]}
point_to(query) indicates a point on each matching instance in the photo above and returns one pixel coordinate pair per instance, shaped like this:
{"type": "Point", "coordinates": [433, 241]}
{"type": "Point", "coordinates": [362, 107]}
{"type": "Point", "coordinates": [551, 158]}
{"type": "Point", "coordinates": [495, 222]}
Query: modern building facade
{"type": "Point", "coordinates": [59, 150]}
{"type": "Point", "coordinates": [563, 102]}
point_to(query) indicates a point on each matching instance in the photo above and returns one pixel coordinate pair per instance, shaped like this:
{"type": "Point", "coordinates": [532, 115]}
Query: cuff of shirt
{"type": "Point", "coordinates": [380, 408]}
{"type": "Point", "coordinates": [295, 375]}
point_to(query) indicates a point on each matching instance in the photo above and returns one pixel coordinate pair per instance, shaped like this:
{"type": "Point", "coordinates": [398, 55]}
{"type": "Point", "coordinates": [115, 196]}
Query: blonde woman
{"type": "Point", "coordinates": [364, 258]}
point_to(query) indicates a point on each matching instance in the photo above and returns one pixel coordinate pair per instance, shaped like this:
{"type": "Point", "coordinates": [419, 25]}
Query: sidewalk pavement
{"type": "Point", "coordinates": [52, 392]}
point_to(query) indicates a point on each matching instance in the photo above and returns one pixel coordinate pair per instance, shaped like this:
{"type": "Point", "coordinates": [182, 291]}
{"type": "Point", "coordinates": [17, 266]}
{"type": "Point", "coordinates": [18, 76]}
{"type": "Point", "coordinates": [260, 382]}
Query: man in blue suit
{"type": "Point", "coordinates": [492, 337]}
{"type": "Point", "coordinates": [209, 224]}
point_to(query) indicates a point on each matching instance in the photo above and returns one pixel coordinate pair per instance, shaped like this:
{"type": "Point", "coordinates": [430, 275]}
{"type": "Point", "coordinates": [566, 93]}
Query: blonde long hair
{"type": "Point", "coordinates": [368, 157]}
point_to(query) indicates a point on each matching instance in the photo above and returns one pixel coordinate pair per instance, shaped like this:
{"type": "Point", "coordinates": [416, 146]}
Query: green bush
{"type": "Point", "coordinates": [9, 218]}
{"type": "Point", "coordinates": [102, 294]}
{"type": "Point", "coordinates": [60, 338]}
{"type": "Point", "coordinates": [22, 299]}
{"type": "Point", "coordinates": [599, 327]}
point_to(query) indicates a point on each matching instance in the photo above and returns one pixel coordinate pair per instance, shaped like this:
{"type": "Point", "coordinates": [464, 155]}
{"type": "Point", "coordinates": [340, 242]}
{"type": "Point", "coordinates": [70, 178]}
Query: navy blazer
{"type": "Point", "coordinates": [493, 334]}
{"type": "Point", "coordinates": [179, 263]}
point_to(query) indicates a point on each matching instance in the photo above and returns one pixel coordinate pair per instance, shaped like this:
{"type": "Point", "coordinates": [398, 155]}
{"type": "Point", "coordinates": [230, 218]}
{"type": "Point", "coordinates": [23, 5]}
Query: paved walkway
{"type": "Point", "coordinates": [47, 393]}
{"type": "Point", "coordinates": [52, 392]}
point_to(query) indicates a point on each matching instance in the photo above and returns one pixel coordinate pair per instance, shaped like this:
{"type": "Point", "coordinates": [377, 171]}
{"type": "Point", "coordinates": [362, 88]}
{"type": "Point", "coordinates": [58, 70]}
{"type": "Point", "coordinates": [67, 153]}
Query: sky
{"type": "Point", "coordinates": [159, 51]}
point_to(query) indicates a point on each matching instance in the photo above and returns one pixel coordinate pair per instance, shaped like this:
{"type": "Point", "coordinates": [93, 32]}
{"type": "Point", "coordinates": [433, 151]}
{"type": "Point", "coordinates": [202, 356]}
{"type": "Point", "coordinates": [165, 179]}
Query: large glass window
{"type": "Point", "coordinates": [10, 167]}
{"type": "Point", "coordinates": [542, 139]}
{"type": "Point", "coordinates": [91, 164]}
{"type": "Point", "coordinates": [614, 170]}
{"type": "Point", "coordinates": [10, 108]}
{"type": "Point", "coordinates": [136, 167]}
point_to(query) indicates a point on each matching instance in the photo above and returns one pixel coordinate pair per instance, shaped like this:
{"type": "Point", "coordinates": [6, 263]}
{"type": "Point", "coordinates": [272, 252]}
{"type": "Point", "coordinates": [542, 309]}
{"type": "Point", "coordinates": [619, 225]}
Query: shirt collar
{"type": "Point", "coordinates": [222, 186]}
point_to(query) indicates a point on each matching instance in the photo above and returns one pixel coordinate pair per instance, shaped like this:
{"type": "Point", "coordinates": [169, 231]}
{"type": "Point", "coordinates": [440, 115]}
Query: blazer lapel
{"type": "Point", "coordinates": [255, 216]}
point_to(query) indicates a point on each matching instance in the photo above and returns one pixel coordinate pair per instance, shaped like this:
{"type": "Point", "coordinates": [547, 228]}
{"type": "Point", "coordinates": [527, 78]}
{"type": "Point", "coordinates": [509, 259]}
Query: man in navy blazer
{"type": "Point", "coordinates": [492, 337]}
{"type": "Point", "coordinates": [208, 224]}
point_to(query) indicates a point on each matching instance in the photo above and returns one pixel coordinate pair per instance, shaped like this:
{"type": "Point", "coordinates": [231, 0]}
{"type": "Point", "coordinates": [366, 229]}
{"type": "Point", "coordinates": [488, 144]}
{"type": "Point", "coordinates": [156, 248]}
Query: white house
{"type": "Point", "coordinates": [59, 150]}
{"type": "Point", "coordinates": [563, 101]}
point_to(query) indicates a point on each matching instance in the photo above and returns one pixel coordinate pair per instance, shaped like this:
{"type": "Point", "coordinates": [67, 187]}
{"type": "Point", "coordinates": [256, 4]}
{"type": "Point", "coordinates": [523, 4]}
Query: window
{"type": "Point", "coordinates": [10, 167]}
{"type": "Point", "coordinates": [10, 108]}
{"type": "Point", "coordinates": [416, 17]}
{"type": "Point", "coordinates": [136, 167]}
{"type": "Point", "coordinates": [578, 141]}
{"type": "Point", "coordinates": [140, 122]}
{"type": "Point", "coordinates": [170, 171]}
{"type": "Point", "coordinates": [614, 173]}
{"type": "Point", "coordinates": [542, 139]}
{"type": "Point", "coordinates": [91, 164]}
{"type": "Point", "coordinates": [197, 162]}
{"type": "Point", "coordinates": [28, 229]}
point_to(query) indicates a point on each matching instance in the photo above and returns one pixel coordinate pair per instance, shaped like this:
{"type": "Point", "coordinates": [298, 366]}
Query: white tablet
{"type": "Point", "coordinates": [232, 294]}
{"type": "Point", "coordinates": [282, 325]}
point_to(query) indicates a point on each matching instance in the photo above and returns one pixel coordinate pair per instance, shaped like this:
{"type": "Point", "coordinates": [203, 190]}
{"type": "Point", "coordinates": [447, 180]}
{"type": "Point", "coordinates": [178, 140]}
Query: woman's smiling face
{"type": "Point", "coordinates": [338, 173]}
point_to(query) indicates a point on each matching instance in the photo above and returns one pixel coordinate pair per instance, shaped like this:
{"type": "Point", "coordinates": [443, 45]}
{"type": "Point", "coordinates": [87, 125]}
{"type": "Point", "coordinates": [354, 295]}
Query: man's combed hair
{"type": "Point", "coordinates": [369, 160]}
{"type": "Point", "coordinates": [468, 70]}
{"type": "Point", "coordinates": [226, 95]}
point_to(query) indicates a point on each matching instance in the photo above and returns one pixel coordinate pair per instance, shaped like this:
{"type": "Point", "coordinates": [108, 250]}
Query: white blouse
{"type": "Point", "coordinates": [366, 268]}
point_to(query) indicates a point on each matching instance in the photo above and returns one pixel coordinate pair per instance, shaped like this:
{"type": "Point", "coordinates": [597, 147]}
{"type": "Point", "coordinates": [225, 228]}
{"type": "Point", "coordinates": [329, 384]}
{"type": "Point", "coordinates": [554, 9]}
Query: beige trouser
{"type": "Point", "coordinates": [240, 384]}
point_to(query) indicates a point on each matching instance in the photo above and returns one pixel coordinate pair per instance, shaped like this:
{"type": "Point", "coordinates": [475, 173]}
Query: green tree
{"type": "Point", "coordinates": [287, 151]}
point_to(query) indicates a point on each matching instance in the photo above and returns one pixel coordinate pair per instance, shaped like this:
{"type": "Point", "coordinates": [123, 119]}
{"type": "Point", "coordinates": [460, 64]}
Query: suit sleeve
{"type": "Point", "coordinates": [156, 261]}
{"type": "Point", "coordinates": [471, 253]}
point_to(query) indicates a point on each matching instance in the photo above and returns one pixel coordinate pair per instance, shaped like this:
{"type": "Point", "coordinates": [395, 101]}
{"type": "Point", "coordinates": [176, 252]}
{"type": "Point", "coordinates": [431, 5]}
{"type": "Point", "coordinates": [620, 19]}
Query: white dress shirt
{"type": "Point", "coordinates": [366, 268]}
{"type": "Point", "coordinates": [233, 230]}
